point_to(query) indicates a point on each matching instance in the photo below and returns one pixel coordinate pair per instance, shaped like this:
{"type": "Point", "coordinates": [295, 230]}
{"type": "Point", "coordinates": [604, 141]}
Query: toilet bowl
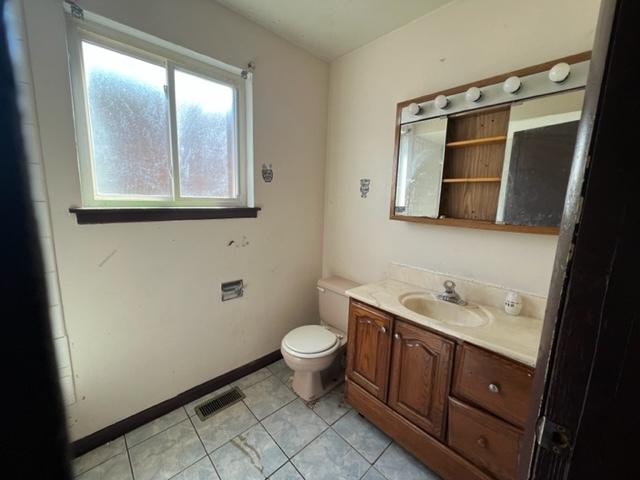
{"type": "Point", "coordinates": [315, 353]}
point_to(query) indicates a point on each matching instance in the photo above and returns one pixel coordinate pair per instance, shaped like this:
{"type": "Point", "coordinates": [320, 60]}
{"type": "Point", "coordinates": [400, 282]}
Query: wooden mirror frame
{"type": "Point", "coordinates": [461, 222]}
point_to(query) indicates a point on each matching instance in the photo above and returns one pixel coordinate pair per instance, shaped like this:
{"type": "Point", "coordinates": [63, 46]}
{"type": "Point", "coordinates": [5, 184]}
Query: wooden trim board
{"type": "Point", "coordinates": [461, 222]}
{"type": "Point", "coordinates": [96, 215]}
{"type": "Point", "coordinates": [118, 429]}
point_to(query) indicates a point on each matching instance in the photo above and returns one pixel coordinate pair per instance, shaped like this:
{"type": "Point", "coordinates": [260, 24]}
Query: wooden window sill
{"type": "Point", "coordinates": [94, 215]}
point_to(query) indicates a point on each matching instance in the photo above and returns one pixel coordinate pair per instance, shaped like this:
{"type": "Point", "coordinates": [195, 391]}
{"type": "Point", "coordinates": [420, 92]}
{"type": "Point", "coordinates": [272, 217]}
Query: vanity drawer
{"type": "Point", "coordinates": [492, 382]}
{"type": "Point", "coordinates": [486, 441]}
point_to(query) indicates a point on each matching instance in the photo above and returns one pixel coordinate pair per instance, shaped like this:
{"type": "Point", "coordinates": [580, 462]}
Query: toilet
{"type": "Point", "coordinates": [316, 353]}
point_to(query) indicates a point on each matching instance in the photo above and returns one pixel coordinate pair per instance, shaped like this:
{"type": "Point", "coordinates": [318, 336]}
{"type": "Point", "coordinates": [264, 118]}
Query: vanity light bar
{"type": "Point", "coordinates": [560, 78]}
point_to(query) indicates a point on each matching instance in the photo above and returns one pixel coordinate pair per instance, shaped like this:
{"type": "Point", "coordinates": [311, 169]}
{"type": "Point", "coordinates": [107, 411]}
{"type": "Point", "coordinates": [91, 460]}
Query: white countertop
{"type": "Point", "coordinates": [516, 337]}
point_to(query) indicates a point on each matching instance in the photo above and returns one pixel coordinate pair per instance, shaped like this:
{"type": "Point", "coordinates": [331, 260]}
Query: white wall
{"type": "Point", "coordinates": [142, 306]}
{"type": "Point", "coordinates": [464, 41]}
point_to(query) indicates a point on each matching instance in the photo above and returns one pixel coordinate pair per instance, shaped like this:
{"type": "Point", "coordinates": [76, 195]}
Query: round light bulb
{"type": "Point", "coordinates": [512, 84]}
{"type": "Point", "coordinates": [441, 102]}
{"type": "Point", "coordinates": [559, 72]}
{"type": "Point", "coordinates": [473, 94]}
{"type": "Point", "coordinates": [414, 109]}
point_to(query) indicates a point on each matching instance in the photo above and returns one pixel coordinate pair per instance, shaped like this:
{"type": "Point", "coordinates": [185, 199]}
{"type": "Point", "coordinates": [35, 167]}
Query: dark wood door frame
{"type": "Point", "coordinates": [589, 355]}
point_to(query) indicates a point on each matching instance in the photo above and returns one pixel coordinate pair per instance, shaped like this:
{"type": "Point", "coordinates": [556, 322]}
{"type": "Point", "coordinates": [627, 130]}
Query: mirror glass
{"type": "Point", "coordinates": [419, 168]}
{"type": "Point", "coordinates": [538, 154]}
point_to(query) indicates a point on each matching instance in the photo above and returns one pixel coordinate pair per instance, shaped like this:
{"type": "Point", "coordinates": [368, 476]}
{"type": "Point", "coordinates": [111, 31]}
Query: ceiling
{"type": "Point", "coordinates": [331, 28]}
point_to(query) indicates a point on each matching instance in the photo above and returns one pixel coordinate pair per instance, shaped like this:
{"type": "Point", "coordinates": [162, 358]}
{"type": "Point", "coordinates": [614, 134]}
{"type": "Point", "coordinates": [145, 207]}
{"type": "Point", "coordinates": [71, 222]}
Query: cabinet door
{"type": "Point", "coordinates": [368, 348]}
{"type": "Point", "coordinates": [420, 376]}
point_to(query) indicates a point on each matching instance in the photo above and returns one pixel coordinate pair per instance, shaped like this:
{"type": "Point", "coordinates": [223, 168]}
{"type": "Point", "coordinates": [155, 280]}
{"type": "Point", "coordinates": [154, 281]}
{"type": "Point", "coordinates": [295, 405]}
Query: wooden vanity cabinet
{"type": "Point", "coordinates": [370, 340]}
{"type": "Point", "coordinates": [420, 374]}
{"type": "Point", "coordinates": [462, 425]}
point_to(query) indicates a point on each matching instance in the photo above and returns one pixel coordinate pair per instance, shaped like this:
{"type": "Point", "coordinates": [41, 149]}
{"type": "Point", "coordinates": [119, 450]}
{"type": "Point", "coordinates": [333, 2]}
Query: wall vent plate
{"type": "Point", "coordinates": [217, 404]}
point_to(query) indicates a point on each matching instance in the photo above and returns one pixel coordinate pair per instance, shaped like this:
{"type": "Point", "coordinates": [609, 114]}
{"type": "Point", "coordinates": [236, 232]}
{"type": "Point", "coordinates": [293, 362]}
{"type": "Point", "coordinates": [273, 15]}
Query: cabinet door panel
{"type": "Point", "coordinates": [368, 348]}
{"type": "Point", "coordinates": [420, 376]}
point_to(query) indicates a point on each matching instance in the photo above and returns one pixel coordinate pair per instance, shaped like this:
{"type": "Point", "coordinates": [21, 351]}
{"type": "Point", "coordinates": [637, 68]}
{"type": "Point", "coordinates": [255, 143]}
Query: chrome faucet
{"type": "Point", "coordinates": [450, 295]}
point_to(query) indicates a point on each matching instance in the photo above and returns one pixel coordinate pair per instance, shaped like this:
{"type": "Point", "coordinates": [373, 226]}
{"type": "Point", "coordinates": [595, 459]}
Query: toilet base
{"type": "Point", "coordinates": [310, 385]}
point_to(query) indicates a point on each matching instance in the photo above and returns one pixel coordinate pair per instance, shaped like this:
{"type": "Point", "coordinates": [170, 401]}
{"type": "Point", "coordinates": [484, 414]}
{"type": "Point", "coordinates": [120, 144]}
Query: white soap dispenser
{"type": "Point", "coordinates": [513, 303]}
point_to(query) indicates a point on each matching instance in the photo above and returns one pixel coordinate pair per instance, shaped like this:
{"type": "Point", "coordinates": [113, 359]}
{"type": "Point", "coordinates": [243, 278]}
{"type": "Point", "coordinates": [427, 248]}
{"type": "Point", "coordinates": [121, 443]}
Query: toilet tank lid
{"type": "Point", "coordinates": [337, 284]}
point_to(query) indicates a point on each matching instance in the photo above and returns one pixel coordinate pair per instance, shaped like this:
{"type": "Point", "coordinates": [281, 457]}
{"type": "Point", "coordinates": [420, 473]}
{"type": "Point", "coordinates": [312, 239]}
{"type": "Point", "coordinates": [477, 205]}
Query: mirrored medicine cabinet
{"type": "Point", "coordinates": [481, 156]}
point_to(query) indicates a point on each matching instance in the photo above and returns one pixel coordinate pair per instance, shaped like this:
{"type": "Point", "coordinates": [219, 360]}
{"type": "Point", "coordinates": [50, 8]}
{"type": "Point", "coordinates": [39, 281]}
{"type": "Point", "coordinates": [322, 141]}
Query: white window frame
{"type": "Point", "coordinates": [122, 39]}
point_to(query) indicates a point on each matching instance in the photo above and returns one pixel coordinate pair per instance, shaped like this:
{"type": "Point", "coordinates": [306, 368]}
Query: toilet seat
{"type": "Point", "coordinates": [310, 341]}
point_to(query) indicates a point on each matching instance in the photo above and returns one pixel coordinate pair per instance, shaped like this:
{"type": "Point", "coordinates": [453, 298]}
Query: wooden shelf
{"type": "Point", "coordinates": [477, 141]}
{"type": "Point", "coordinates": [473, 165]}
{"type": "Point", "coordinates": [471, 180]}
{"type": "Point", "coordinates": [481, 224]}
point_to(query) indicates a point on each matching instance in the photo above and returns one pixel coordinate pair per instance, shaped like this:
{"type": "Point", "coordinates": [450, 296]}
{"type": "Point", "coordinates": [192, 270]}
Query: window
{"type": "Point", "coordinates": [156, 125]}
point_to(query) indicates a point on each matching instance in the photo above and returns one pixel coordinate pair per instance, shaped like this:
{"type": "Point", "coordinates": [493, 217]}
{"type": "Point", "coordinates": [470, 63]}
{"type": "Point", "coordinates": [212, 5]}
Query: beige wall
{"type": "Point", "coordinates": [464, 41]}
{"type": "Point", "coordinates": [141, 301]}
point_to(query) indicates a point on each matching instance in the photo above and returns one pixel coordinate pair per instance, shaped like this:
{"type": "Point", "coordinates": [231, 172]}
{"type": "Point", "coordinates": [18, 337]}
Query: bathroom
{"type": "Point", "coordinates": [160, 302]}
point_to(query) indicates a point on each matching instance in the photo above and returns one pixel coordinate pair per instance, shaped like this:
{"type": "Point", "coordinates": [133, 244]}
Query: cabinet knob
{"type": "Point", "coordinates": [396, 336]}
{"type": "Point", "coordinates": [482, 442]}
{"type": "Point", "coordinates": [383, 330]}
{"type": "Point", "coordinates": [493, 388]}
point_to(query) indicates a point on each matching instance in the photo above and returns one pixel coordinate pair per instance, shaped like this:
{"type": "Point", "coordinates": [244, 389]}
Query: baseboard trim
{"type": "Point", "coordinates": [107, 434]}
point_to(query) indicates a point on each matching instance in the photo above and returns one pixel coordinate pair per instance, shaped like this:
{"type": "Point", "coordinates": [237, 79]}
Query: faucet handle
{"type": "Point", "coordinates": [449, 286]}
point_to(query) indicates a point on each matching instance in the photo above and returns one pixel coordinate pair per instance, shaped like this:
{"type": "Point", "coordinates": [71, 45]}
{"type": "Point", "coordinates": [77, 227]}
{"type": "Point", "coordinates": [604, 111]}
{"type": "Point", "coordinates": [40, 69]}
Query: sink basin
{"type": "Point", "coordinates": [441, 311]}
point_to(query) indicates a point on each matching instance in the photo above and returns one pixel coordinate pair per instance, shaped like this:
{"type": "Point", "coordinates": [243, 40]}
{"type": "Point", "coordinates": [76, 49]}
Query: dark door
{"type": "Point", "coordinates": [585, 393]}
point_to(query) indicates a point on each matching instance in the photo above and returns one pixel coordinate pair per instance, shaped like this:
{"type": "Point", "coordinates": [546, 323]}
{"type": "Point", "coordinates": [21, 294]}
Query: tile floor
{"type": "Point", "coordinates": [271, 434]}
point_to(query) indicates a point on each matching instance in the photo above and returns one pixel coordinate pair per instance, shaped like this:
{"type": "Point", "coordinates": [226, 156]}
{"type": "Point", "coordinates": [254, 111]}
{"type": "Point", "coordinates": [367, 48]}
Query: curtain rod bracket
{"type": "Point", "coordinates": [75, 10]}
{"type": "Point", "coordinates": [251, 67]}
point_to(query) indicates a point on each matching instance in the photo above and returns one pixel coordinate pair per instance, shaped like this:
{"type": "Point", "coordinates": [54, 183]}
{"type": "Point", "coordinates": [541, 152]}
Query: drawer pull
{"type": "Point", "coordinates": [482, 442]}
{"type": "Point", "coordinates": [493, 388]}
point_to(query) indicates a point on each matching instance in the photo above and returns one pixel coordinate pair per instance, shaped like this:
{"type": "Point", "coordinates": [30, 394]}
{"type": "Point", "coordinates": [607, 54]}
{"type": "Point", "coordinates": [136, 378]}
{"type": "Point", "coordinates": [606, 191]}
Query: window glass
{"type": "Point", "coordinates": [206, 127]}
{"type": "Point", "coordinates": [128, 124]}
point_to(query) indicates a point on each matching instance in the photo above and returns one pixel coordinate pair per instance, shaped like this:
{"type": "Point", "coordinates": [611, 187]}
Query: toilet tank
{"type": "Point", "coordinates": [333, 301]}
